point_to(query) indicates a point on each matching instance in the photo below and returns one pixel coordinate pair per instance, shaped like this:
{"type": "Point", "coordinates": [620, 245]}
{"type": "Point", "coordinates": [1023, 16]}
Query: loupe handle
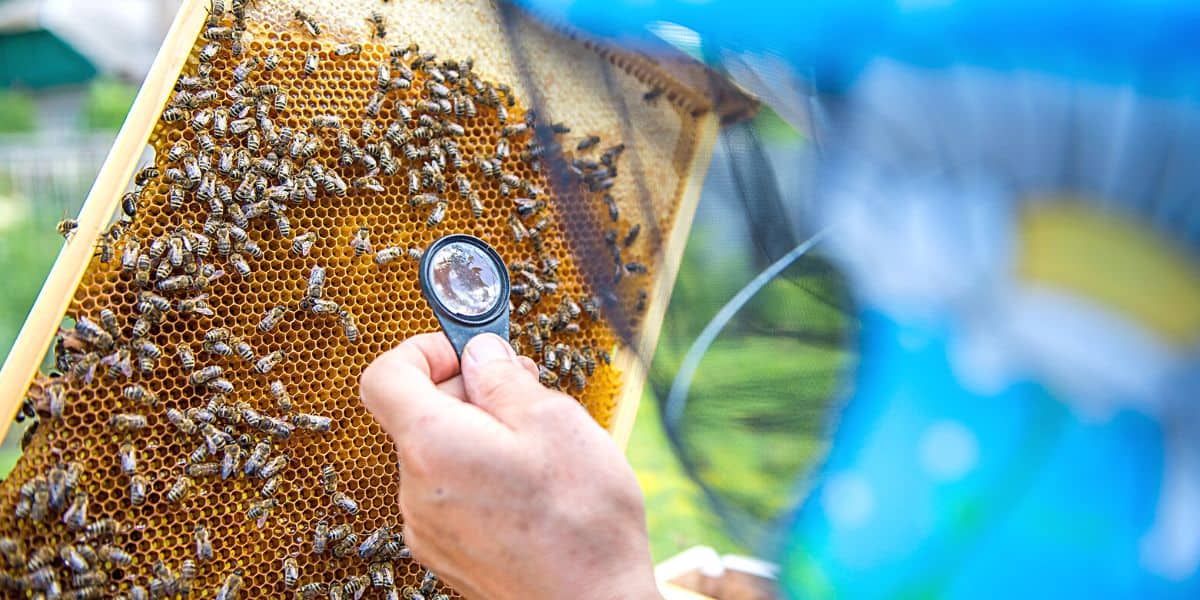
{"type": "Point", "coordinates": [459, 336]}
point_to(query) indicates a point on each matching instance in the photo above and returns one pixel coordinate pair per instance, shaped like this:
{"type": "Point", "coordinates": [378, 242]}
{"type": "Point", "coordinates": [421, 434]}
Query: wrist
{"type": "Point", "coordinates": [628, 586]}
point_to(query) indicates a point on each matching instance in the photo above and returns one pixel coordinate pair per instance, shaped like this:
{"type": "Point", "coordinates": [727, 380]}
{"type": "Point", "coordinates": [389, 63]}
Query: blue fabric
{"type": "Point", "coordinates": [1048, 505]}
{"type": "Point", "coordinates": [1153, 45]}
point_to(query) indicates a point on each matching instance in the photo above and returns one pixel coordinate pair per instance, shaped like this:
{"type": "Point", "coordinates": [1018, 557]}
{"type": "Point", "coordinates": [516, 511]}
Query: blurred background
{"type": "Point", "coordinates": [69, 71]}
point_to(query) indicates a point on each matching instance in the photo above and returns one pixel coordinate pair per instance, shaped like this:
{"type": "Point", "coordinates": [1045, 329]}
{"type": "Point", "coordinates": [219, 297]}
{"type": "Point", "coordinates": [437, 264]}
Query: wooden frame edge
{"type": "Point", "coordinates": [632, 368]}
{"type": "Point", "coordinates": [39, 329]}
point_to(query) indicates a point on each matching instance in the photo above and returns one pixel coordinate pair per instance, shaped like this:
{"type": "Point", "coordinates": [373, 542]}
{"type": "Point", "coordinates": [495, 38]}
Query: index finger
{"type": "Point", "coordinates": [400, 385]}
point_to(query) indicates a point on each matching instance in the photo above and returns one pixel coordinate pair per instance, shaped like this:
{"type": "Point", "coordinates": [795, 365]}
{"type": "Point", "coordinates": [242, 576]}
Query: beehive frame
{"type": "Point", "coordinates": [103, 201]}
{"type": "Point", "coordinates": [690, 145]}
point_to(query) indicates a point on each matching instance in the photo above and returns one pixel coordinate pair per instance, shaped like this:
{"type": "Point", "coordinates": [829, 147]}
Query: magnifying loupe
{"type": "Point", "coordinates": [466, 283]}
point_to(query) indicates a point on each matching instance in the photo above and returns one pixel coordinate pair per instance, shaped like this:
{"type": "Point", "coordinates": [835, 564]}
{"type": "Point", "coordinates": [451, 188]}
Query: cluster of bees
{"type": "Point", "coordinates": [77, 568]}
{"type": "Point", "coordinates": [238, 172]}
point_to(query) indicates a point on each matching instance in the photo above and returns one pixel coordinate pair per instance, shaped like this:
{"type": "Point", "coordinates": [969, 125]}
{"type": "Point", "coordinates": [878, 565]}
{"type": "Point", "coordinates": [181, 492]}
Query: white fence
{"type": "Point", "coordinates": [50, 175]}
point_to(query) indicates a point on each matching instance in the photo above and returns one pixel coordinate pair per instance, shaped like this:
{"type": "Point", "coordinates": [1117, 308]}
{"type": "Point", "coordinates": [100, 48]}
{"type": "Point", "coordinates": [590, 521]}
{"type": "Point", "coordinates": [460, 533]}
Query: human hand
{"type": "Point", "coordinates": [508, 489]}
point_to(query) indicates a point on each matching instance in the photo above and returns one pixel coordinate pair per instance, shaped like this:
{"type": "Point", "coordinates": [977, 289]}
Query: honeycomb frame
{"type": "Point", "coordinates": [357, 467]}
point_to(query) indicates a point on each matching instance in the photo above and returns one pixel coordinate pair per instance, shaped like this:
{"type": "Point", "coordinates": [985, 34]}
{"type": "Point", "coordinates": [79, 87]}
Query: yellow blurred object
{"type": "Point", "coordinates": [1114, 262]}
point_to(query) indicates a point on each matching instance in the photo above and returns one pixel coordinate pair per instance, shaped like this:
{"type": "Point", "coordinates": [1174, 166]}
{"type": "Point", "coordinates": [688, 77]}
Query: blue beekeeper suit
{"type": "Point", "coordinates": [1001, 191]}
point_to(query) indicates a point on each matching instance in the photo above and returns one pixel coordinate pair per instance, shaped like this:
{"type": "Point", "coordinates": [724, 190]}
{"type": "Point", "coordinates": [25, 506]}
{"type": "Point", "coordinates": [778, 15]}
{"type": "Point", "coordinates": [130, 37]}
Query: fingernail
{"type": "Point", "coordinates": [488, 347]}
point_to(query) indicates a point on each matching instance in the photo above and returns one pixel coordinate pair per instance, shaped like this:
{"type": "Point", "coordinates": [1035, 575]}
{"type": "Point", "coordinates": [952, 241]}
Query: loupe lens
{"type": "Point", "coordinates": [466, 284]}
{"type": "Point", "coordinates": [465, 279]}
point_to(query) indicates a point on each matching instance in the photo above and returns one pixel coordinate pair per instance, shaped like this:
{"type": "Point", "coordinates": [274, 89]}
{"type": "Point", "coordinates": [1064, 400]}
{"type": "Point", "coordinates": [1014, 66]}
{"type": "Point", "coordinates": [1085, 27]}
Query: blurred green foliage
{"type": "Point", "coordinates": [107, 103]}
{"type": "Point", "coordinates": [28, 247]}
{"type": "Point", "coordinates": [17, 111]}
{"type": "Point", "coordinates": [758, 411]}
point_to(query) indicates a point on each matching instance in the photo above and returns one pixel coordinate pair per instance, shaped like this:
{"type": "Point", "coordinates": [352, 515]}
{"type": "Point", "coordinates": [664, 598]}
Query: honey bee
{"type": "Point", "coordinates": [127, 422]}
{"type": "Point", "coordinates": [368, 183]}
{"type": "Point", "coordinates": [345, 548]}
{"type": "Point", "coordinates": [513, 130]}
{"type": "Point", "coordinates": [291, 572]}
{"type": "Point", "coordinates": [115, 556]}
{"type": "Point", "coordinates": [204, 549]}
{"type": "Point", "coordinates": [220, 129]}
{"type": "Point", "coordinates": [349, 327]}
{"type": "Point", "coordinates": [102, 528]}
{"type": "Point", "coordinates": [172, 114]}
{"type": "Point", "coordinates": [303, 243]}
{"type": "Point", "coordinates": [205, 469]}
{"type": "Point", "coordinates": [93, 334]}
{"type": "Point", "coordinates": [347, 49]}
{"type": "Point", "coordinates": [311, 60]}
{"type": "Point", "coordinates": [245, 68]}
{"type": "Point", "coordinates": [66, 228]}
{"type": "Point", "coordinates": [320, 537]}
{"type": "Point", "coordinates": [312, 422]}
{"type": "Point", "coordinates": [354, 587]}
{"type": "Point", "coordinates": [240, 265]}
{"type": "Point", "coordinates": [232, 584]}
{"type": "Point", "coordinates": [243, 349]}
{"type": "Point", "coordinates": [259, 511]}
{"type": "Point", "coordinates": [137, 490]}
{"type": "Point", "coordinates": [257, 458]}
{"type": "Point", "coordinates": [437, 215]}
{"type": "Point", "coordinates": [41, 505]}
{"type": "Point", "coordinates": [311, 591]}
{"type": "Point", "coordinates": [205, 374]}
{"type": "Point", "coordinates": [519, 231]}
{"type": "Point", "coordinates": [381, 575]}
{"type": "Point", "coordinates": [75, 516]}
{"type": "Point", "coordinates": [139, 394]}
{"type": "Point", "coordinates": [361, 242]}
{"type": "Point", "coordinates": [147, 348]}
{"type": "Point", "coordinates": [74, 561]}
{"type": "Point", "coordinates": [635, 268]}
{"type": "Point", "coordinates": [375, 104]}
{"type": "Point", "coordinates": [632, 236]}
{"type": "Point", "coordinates": [588, 142]}
{"type": "Point", "coordinates": [272, 318]}
{"type": "Point", "coordinates": [345, 503]}
{"type": "Point", "coordinates": [374, 543]}
{"type": "Point", "coordinates": [196, 305]}
{"type": "Point", "coordinates": [175, 283]}
{"type": "Point", "coordinates": [129, 255]}
{"type": "Point", "coordinates": [187, 574]}
{"type": "Point", "coordinates": [321, 307]}
{"type": "Point", "coordinates": [241, 126]}
{"type": "Point", "coordinates": [376, 20]}
{"type": "Point", "coordinates": [316, 282]}
{"type": "Point", "coordinates": [200, 121]}
{"type": "Point", "coordinates": [476, 204]}
{"type": "Point", "coordinates": [179, 489]}
{"type": "Point", "coordinates": [326, 122]}
{"type": "Point", "coordinates": [181, 421]}
{"type": "Point", "coordinates": [192, 167]}
{"type": "Point", "coordinates": [490, 168]}
{"type": "Point", "coordinates": [271, 62]}
{"type": "Point", "coordinates": [128, 455]}
{"type": "Point", "coordinates": [273, 468]}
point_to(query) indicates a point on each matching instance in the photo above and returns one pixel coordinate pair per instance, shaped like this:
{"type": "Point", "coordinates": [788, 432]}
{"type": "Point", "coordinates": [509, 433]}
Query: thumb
{"type": "Point", "coordinates": [496, 380]}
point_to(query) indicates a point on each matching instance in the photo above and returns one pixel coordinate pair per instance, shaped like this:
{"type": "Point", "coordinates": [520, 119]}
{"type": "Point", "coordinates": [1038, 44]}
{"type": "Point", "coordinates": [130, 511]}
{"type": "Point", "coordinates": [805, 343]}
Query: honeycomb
{"type": "Point", "coordinates": [223, 259]}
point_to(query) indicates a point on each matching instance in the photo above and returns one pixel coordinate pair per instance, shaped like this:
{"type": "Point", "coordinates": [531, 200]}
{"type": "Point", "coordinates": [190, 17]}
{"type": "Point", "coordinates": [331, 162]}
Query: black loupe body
{"type": "Point", "coordinates": [466, 284]}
